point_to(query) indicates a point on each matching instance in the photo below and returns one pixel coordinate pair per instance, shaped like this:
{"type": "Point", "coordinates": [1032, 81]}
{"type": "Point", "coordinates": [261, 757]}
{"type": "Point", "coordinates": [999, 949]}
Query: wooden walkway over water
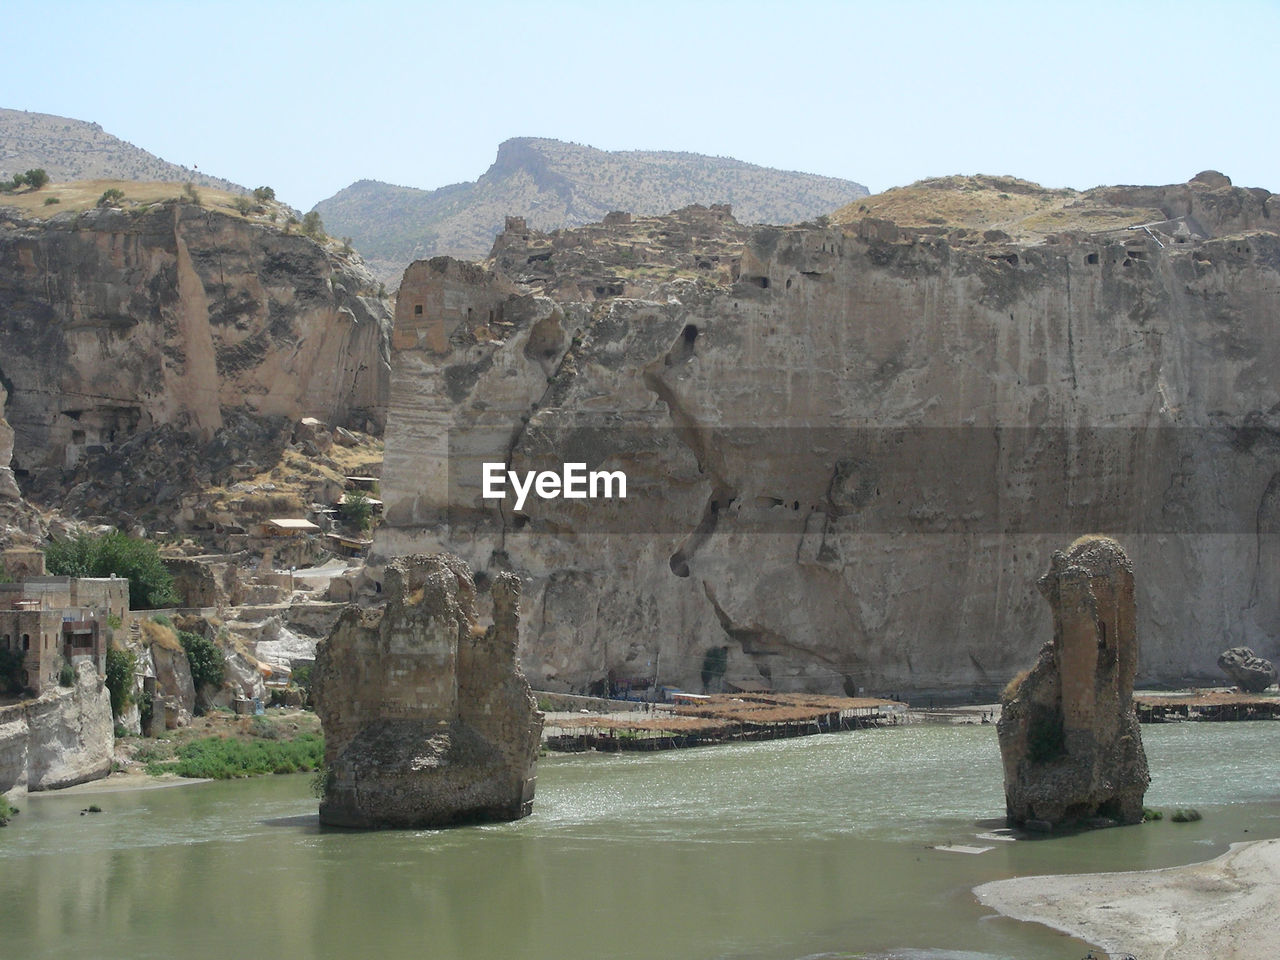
{"type": "Point", "coordinates": [719, 718]}
{"type": "Point", "coordinates": [1206, 705]}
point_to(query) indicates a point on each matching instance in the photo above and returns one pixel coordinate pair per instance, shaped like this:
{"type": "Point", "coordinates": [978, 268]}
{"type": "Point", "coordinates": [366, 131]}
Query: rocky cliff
{"type": "Point", "coordinates": [16, 518]}
{"type": "Point", "coordinates": [62, 738]}
{"type": "Point", "coordinates": [179, 324]}
{"type": "Point", "coordinates": [846, 464]}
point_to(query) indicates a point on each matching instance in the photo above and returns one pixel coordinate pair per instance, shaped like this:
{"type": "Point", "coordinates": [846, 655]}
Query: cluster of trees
{"type": "Point", "coordinates": [89, 555]}
{"type": "Point", "coordinates": [35, 179]}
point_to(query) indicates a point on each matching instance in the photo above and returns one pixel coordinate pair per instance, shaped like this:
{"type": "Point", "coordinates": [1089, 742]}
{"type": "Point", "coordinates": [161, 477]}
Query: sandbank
{"type": "Point", "coordinates": [118, 782]}
{"type": "Point", "coordinates": [1225, 907]}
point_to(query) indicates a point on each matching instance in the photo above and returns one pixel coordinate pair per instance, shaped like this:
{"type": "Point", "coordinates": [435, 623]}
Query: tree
{"type": "Point", "coordinates": [355, 510]}
{"type": "Point", "coordinates": [110, 197]}
{"type": "Point", "coordinates": [207, 668]}
{"type": "Point", "coordinates": [313, 226]}
{"type": "Point", "coordinates": [11, 663]}
{"type": "Point", "coordinates": [150, 584]}
{"type": "Point", "coordinates": [263, 194]}
{"type": "Point", "coordinates": [119, 679]}
{"type": "Point", "coordinates": [36, 178]}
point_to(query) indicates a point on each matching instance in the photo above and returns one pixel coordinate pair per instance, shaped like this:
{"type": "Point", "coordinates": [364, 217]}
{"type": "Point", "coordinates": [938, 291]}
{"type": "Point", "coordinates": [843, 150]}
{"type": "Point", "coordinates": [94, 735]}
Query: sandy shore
{"type": "Point", "coordinates": [116, 782]}
{"type": "Point", "coordinates": [1227, 907]}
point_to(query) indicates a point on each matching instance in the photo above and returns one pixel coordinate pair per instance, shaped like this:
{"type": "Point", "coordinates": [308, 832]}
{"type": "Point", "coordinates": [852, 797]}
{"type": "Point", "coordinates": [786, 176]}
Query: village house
{"type": "Point", "coordinates": [60, 620]}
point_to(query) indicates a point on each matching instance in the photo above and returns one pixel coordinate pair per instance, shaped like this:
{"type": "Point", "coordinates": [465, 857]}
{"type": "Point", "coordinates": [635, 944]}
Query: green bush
{"type": "Point", "coordinates": [207, 666]}
{"type": "Point", "coordinates": [263, 194]}
{"type": "Point", "coordinates": [313, 226]}
{"type": "Point", "coordinates": [192, 194]}
{"type": "Point", "coordinates": [146, 708]}
{"type": "Point", "coordinates": [302, 678]}
{"type": "Point", "coordinates": [150, 584]}
{"type": "Point", "coordinates": [219, 758]}
{"type": "Point", "coordinates": [50, 201]}
{"type": "Point", "coordinates": [120, 669]}
{"type": "Point", "coordinates": [1185, 815]}
{"type": "Point", "coordinates": [11, 671]}
{"type": "Point", "coordinates": [243, 205]}
{"type": "Point", "coordinates": [36, 178]}
{"type": "Point", "coordinates": [356, 511]}
{"type": "Point", "coordinates": [6, 811]}
{"type": "Point", "coordinates": [111, 197]}
{"type": "Point", "coordinates": [66, 675]}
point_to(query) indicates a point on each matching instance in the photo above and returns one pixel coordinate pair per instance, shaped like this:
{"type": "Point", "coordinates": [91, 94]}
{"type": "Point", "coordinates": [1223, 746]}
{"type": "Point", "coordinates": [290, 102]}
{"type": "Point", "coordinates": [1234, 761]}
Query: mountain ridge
{"type": "Point", "coordinates": [70, 149]}
{"type": "Point", "coordinates": [555, 184]}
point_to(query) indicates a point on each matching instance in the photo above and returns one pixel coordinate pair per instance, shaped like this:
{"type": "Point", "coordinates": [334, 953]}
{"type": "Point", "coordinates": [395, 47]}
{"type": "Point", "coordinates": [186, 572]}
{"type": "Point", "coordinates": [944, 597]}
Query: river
{"type": "Point", "coordinates": [816, 847]}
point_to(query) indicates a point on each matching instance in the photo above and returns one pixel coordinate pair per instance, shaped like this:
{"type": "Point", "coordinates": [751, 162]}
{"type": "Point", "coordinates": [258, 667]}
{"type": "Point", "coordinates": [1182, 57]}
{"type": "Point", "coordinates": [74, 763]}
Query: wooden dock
{"type": "Point", "coordinates": [719, 718]}
{"type": "Point", "coordinates": [1206, 705]}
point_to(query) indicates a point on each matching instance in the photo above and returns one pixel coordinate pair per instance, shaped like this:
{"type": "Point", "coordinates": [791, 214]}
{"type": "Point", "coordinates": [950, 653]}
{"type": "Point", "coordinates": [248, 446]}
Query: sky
{"type": "Point", "coordinates": [311, 97]}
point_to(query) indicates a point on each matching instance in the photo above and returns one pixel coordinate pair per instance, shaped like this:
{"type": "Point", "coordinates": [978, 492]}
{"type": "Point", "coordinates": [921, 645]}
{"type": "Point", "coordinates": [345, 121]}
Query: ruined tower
{"type": "Point", "coordinates": [1069, 735]}
{"type": "Point", "coordinates": [428, 720]}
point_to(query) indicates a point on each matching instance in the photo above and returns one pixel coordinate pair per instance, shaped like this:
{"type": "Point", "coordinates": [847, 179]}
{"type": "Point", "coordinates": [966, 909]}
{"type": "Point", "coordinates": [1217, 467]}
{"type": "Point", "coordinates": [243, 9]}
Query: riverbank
{"type": "Point", "coordinates": [1225, 907]}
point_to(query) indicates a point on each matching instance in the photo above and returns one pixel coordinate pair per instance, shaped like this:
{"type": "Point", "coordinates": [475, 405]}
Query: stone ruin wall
{"type": "Point", "coordinates": [428, 720]}
{"type": "Point", "coordinates": [912, 575]}
{"type": "Point", "coordinates": [1070, 742]}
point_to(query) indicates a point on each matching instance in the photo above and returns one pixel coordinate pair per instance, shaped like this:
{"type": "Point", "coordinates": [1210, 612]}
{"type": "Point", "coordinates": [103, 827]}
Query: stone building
{"type": "Point", "coordinates": [57, 620]}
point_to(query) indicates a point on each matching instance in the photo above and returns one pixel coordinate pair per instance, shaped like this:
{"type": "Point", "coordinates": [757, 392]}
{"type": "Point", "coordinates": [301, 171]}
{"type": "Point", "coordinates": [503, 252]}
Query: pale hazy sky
{"type": "Point", "coordinates": [310, 96]}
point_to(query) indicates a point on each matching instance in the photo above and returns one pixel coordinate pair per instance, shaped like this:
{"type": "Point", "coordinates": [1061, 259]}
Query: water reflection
{"type": "Point", "coordinates": [772, 851]}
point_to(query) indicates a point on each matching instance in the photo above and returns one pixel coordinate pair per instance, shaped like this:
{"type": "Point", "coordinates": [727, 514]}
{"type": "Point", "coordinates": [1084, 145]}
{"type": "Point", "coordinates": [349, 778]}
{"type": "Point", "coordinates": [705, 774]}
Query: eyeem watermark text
{"type": "Point", "coordinates": [573, 482]}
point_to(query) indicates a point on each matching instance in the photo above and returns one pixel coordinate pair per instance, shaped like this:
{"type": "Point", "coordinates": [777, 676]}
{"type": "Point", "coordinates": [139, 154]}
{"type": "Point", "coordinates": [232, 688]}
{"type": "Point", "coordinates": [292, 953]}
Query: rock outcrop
{"type": "Point", "coordinates": [16, 517]}
{"type": "Point", "coordinates": [62, 738]}
{"type": "Point", "coordinates": [8, 488]}
{"type": "Point", "coordinates": [893, 424]}
{"type": "Point", "coordinates": [189, 329]}
{"type": "Point", "coordinates": [1249, 672]}
{"type": "Point", "coordinates": [1069, 735]}
{"type": "Point", "coordinates": [428, 720]}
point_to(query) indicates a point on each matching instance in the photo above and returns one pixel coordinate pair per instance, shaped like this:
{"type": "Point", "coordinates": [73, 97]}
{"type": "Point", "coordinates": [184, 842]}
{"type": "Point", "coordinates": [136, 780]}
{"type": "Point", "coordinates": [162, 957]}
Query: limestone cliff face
{"type": "Point", "coordinates": [62, 738]}
{"type": "Point", "coordinates": [8, 489]}
{"type": "Point", "coordinates": [17, 519]}
{"type": "Point", "coordinates": [117, 322]}
{"type": "Point", "coordinates": [428, 720]}
{"type": "Point", "coordinates": [847, 465]}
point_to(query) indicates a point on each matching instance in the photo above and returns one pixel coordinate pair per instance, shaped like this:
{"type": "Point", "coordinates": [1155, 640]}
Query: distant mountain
{"type": "Point", "coordinates": [75, 150]}
{"type": "Point", "coordinates": [554, 184]}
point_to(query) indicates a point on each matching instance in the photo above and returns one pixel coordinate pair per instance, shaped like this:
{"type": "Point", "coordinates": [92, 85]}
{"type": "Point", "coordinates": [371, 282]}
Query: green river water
{"type": "Point", "coordinates": [816, 847]}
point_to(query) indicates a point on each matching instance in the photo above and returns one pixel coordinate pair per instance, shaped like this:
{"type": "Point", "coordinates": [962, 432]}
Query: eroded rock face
{"type": "Point", "coordinates": [62, 738]}
{"type": "Point", "coordinates": [117, 324]}
{"type": "Point", "coordinates": [1248, 671]}
{"type": "Point", "coordinates": [428, 720]}
{"type": "Point", "coordinates": [1069, 735]}
{"type": "Point", "coordinates": [839, 463]}
{"type": "Point", "coordinates": [8, 489]}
